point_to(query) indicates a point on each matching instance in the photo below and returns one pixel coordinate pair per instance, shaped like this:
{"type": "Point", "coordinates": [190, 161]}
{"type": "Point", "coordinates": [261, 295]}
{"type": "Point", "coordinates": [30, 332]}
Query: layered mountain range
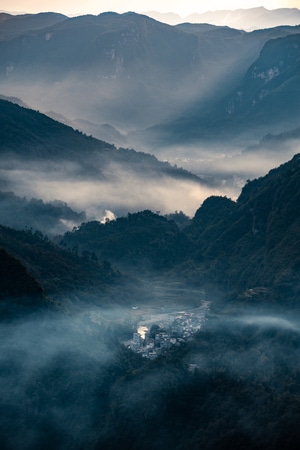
{"type": "Point", "coordinates": [208, 84]}
{"type": "Point", "coordinates": [249, 248]}
{"type": "Point", "coordinates": [99, 242]}
{"type": "Point", "coordinates": [112, 74]}
{"type": "Point", "coordinates": [43, 157]}
{"type": "Point", "coordinates": [266, 100]}
{"type": "Point", "coordinates": [244, 19]}
{"type": "Point", "coordinates": [14, 25]}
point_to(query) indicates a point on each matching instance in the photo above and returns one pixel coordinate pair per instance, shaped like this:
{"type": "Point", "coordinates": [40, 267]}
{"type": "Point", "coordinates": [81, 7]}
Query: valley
{"type": "Point", "coordinates": [150, 230]}
{"type": "Point", "coordinates": [191, 94]}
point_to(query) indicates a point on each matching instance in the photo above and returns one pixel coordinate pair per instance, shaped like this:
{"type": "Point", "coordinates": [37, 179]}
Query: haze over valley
{"type": "Point", "coordinates": [190, 93]}
{"type": "Point", "coordinates": [149, 227]}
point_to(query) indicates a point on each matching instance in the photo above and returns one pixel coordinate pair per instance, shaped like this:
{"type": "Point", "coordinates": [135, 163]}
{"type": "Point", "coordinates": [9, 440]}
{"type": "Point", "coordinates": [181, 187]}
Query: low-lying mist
{"type": "Point", "coordinates": [92, 186]}
{"type": "Point", "coordinates": [269, 339]}
{"type": "Point", "coordinates": [51, 368]}
{"type": "Point", "coordinates": [114, 189]}
{"type": "Point", "coordinates": [219, 162]}
{"type": "Point", "coordinates": [68, 382]}
{"type": "Point", "coordinates": [91, 191]}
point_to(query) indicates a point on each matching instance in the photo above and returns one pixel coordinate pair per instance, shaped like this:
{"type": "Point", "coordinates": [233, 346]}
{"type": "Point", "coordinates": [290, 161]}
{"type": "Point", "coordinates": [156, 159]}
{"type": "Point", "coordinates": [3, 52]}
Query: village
{"type": "Point", "coordinates": [160, 339]}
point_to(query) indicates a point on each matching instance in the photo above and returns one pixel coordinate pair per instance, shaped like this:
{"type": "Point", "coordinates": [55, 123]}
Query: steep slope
{"type": "Point", "coordinates": [269, 95]}
{"type": "Point", "coordinates": [59, 273]}
{"type": "Point", "coordinates": [27, 135]}
{"type": "Point", "coordinates": [20, 293]}
{"type": "Point", "coordinates": [88, 39]}
{"type": "Point", "coordinates": [44, 159]}
{"type": "Point", "coordinates": [120, 57]}
{"type": "Point", "coordinates": [249, 248]}
{"type": "Point", "coordinates": [126, 70]}
{"type": "Point", "coordinates": [256, 241]}
{"type": "Point", "coordinates": [15, 281]}
{"type": "Point", "coordinates": [266, 101]}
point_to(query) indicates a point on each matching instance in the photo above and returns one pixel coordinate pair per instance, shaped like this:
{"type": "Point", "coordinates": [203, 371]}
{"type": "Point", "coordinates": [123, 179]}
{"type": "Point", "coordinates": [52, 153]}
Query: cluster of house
{"type": "Point", "coordinates": [161, 338]}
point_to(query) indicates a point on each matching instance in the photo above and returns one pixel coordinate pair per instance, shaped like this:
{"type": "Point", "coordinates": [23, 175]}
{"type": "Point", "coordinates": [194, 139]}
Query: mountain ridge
{"type": "Point", "coordinates": [248, 19]}
{"type": "Point", "coordinates": [248, 248]}
{"type": "Point", "coordinates": [14, 25]}
{"type": "Point", "coordinates": [26, 133]}
{"type": "Point", "coordinates": [266, 100]}
{"type": "Point", "coordinates": [137, 71]}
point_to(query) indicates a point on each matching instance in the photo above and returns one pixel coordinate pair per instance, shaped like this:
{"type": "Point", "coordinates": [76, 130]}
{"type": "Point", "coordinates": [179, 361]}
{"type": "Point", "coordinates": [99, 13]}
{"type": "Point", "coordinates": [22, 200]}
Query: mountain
{"type": "Point", "coordinates": [44, 159]}
{"type": "Point", "coordinates": [268, 95]}
{"type": "Point", "coordinates": [68, 378]}
{"type": "Point", "coordinates": [265, 101]}
{"type": "Point", "coordinates": [275, 143]}
{"type": "Point", "coordinates": [15, 25]}
{"type": "Point", "coordinates": [49, 269]}
{"type": "Point", "coordinates": [248, 19]}
{"type": "Point", "coordinates": [15, 281]}
{"type": "Point", "coordinates": [145, 240]}
{"type": "Point", "coordinates": [28, 135]}
{"type": "Point", "coordinates": [48, 217]}
{"type": "Point", "coordinates": [248, 248]}
{"type": "Point", "coordinates": [121, 58]}
{"type": "Point", "coordinates": [127, 71]}
{"type": "Point", "coordinates": [252, 245]}
{"type": "Point", "coordinates": [105, 131]}
{"type": "Point", "coordinates": [16, 100]}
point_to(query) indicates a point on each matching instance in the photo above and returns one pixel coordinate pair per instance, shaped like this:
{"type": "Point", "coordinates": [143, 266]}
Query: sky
{"type": "Point", "coordinates": [183, 8]}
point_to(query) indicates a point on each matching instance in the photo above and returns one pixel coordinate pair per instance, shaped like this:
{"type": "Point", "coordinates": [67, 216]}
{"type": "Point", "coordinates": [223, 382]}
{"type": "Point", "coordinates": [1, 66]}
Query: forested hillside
{"type": "Point", "coordinates": [15, 281]}
{"type": "Point", "coordinates": [255, 241]}
{"type": "Point", "coordinates": [249, 247]}
{"type": "Point", "coordinates": [265, 99]}
{"type": "Point", "coordinates": [144, 306]}
{"type": "Point", "coordinates": [29, 136]}
{"type": "Point", "coordinates": [58, 272]}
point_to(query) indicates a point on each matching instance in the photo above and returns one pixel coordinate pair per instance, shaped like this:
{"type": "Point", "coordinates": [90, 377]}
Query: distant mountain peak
{"type": "Point", "coordinates": [244, 18]}
{"type": "Point", "coordinates": [108, 14]}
